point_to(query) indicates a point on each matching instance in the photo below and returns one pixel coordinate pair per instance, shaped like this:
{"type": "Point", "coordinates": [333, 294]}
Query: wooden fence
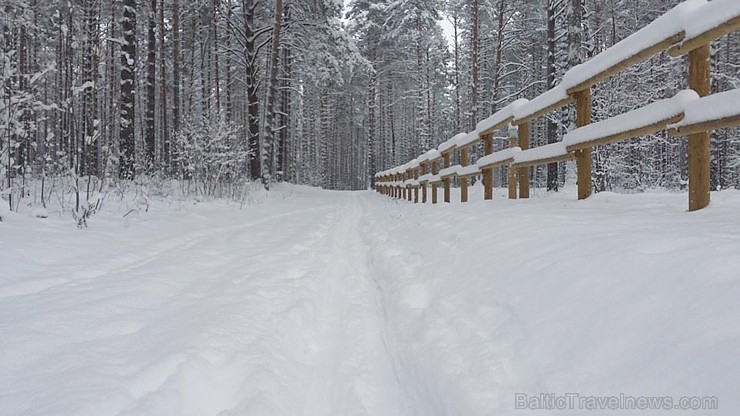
{"type": "Point", "coordinates": [688, 28]}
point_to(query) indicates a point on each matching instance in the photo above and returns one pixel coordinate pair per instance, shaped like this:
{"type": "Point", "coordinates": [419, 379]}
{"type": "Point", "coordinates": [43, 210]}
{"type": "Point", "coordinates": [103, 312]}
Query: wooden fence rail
{"type": "Point", "coordinates": [688, 28]}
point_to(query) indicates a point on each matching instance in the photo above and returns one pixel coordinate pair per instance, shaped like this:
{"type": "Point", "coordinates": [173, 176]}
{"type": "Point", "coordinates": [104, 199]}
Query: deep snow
{"type": "Point", "coordinates": [314, 302]}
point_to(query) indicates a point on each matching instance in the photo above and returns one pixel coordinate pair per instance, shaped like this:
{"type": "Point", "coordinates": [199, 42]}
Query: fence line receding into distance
{"type": "Point", "coordinates": [688, 28]}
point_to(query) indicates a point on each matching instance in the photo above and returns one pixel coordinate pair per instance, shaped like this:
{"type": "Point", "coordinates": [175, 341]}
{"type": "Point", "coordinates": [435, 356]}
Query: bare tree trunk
{"type": "Point", "coordinates": [112, 111]}
{"type": "Point", "coordinates": [128, 99]}
{"type": "Point", "coordinates": [552, 168]}
{"type": "Point", "coordinates": [576, 54]}
{"type": "Point", "coordinates": [371, 119]}
{"type": "Point", "coordinates": [70, 139]}
{"type": "Point", "coordinates": [205, 96]}
{"type": "Point", "coordinates": [165, 135]}
{"type": "Point", "coordinates": [499, 53]}
{"type": "Point", "coordinates": [150, 87]}
{"type": "Point", "coordinates": [215, 58]}
{"type": "Point", "coordinates": [175, 66]}
{"type": "Point", "coordinates": [284, 119]}
{"type": "Point", "coordinates": [474, 52]}
{"type": "Point", "coordinates": [271, 96]}
{"type": "Point", "coordinates": [253, 131]}
{"type": "Point", "coordinates": [458, 121]}
{"type": "Point", "coordinates": [229, 82]}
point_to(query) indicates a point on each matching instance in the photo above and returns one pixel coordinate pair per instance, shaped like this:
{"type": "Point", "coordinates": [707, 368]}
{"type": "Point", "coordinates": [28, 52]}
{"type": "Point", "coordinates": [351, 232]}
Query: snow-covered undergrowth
{"type": "Point", "coordinates": [311, 302]}
{"type": "Point", "coordinates": [82, 199]}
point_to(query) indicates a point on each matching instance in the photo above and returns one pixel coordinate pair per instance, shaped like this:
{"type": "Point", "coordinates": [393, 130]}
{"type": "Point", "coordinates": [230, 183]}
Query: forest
{"type": "Point", "coordinates": [220, 93]}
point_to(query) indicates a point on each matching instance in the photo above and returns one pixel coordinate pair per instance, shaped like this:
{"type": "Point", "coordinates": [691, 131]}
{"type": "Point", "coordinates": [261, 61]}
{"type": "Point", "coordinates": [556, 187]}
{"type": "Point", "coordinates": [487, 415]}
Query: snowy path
{"type": "Point", "coordinates": [324, 303]}
{"type": "Point", "coordinates": [275, 313]}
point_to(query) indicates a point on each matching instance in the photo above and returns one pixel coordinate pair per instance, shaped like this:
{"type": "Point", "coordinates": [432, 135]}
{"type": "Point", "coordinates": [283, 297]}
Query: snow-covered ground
{"type": "Point", "coordinates": [310, 302]}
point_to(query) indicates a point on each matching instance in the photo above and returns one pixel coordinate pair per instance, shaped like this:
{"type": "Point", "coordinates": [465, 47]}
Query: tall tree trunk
{"type": "Point", "coordinates": [283, 128]}
{"type": "Point", "coordinates": [552, 168]}
{"type": "Point", "coordinates": [229, 82]}
{"type": "Point", "coordinates": [429, 101]}
{"type": "Point", "coordinates": [112, 114]}
{"type": "Point", "coordinates": [284, 124]}
{"type": "Point", "coordinates": [175, 66]}
{"type": "Point", "coordinates": [165, 135]}
{"type": "Point", "coordinates": [92, 153]}
{"type": "Point", "coordinates": [474, 53]}
{"type": "Point", "coordinates": [576, 52]}
{"type": "Point", "coordinates": [422, 130]}
{"type": "Point", "coordinates": [458, 120]}
{"type": "Point", "coordinates": [499, 52]}
{"type": "Point", "coordinates": [151, 81]}
{"type": "Point", "coordinates": [271, 96]}
{"type": "Point", "coordinates": [253, 130]}
{"type": "Point", "coordinates": [370, 140]}
{"type": "Point", "coordinates": [69, 128]}
{"type": "Point", "coordinates": [215, 58]}
{"type": "Point", "coordinates": [205, 96]}
{"type": "Point", "coordinates": [128, 99]}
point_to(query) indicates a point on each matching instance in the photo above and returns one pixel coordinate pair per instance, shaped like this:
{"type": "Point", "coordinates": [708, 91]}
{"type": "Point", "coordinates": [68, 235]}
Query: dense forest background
{"type": "Point", "coordinates": [319, 92]}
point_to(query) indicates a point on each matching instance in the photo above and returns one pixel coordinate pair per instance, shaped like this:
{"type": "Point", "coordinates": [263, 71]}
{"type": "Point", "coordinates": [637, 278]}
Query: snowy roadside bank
{"type": "Point", "coordinates": [618, 294]}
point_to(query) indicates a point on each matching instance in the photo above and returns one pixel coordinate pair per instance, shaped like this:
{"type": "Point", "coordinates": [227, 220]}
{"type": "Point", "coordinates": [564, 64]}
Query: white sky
{"type": "Point", "coordinates": [447, 29]}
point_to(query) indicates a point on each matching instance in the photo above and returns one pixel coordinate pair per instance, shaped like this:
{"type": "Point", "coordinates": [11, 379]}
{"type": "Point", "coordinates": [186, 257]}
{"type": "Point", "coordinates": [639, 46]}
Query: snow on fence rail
{"type": "Point", "coordinates": [646, 120]}
{"type": "Point", "coordinates": [712, 112]}
{"type": "Point", "coordinates": [688, 28]}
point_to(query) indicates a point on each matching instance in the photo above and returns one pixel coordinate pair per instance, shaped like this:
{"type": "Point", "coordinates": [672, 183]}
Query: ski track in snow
{"type": "Point", "coordinates": [348, 303]}
{"type": "Point", "coordinates": [211, 317]}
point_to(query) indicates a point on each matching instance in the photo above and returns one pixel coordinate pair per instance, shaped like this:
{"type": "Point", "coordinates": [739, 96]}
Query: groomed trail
{"type": "Point", "coordinates": [270, 313]}
{"type": "Point", "coordinates": [313, 302]}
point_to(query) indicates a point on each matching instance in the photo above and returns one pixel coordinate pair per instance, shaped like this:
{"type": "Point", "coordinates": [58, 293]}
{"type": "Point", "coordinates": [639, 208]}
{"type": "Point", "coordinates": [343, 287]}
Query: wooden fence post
{"type": "Point", "coordinates": [488, 172]}
{"type": "Point", "coordinates": [464, 158]}
{"type": "Point", "coordinates": [446, 181]}
{"type": "Point", "coordinates": [408, 189]}
{"type": "Point", "coordinates": [403, 186]}
{"type": "Point", "coordinates": [405, 189]}
{"type": "Point", "coordinates": [524, 172]}
{"type": "Point", "coordinates": [424, 171]}
{"type": "Point", "coordinates": [435, 170]}
{"type": "Point", "coordinates": [416, 188]}
{"type": "Point", "coordinates": [401, 189]}
{"type": "Point", "coordinates": [699, 158]}
{"type": "Point", "coordinates": [512, 174]}
{"type": "Point", "coordinates": [583, 157]}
